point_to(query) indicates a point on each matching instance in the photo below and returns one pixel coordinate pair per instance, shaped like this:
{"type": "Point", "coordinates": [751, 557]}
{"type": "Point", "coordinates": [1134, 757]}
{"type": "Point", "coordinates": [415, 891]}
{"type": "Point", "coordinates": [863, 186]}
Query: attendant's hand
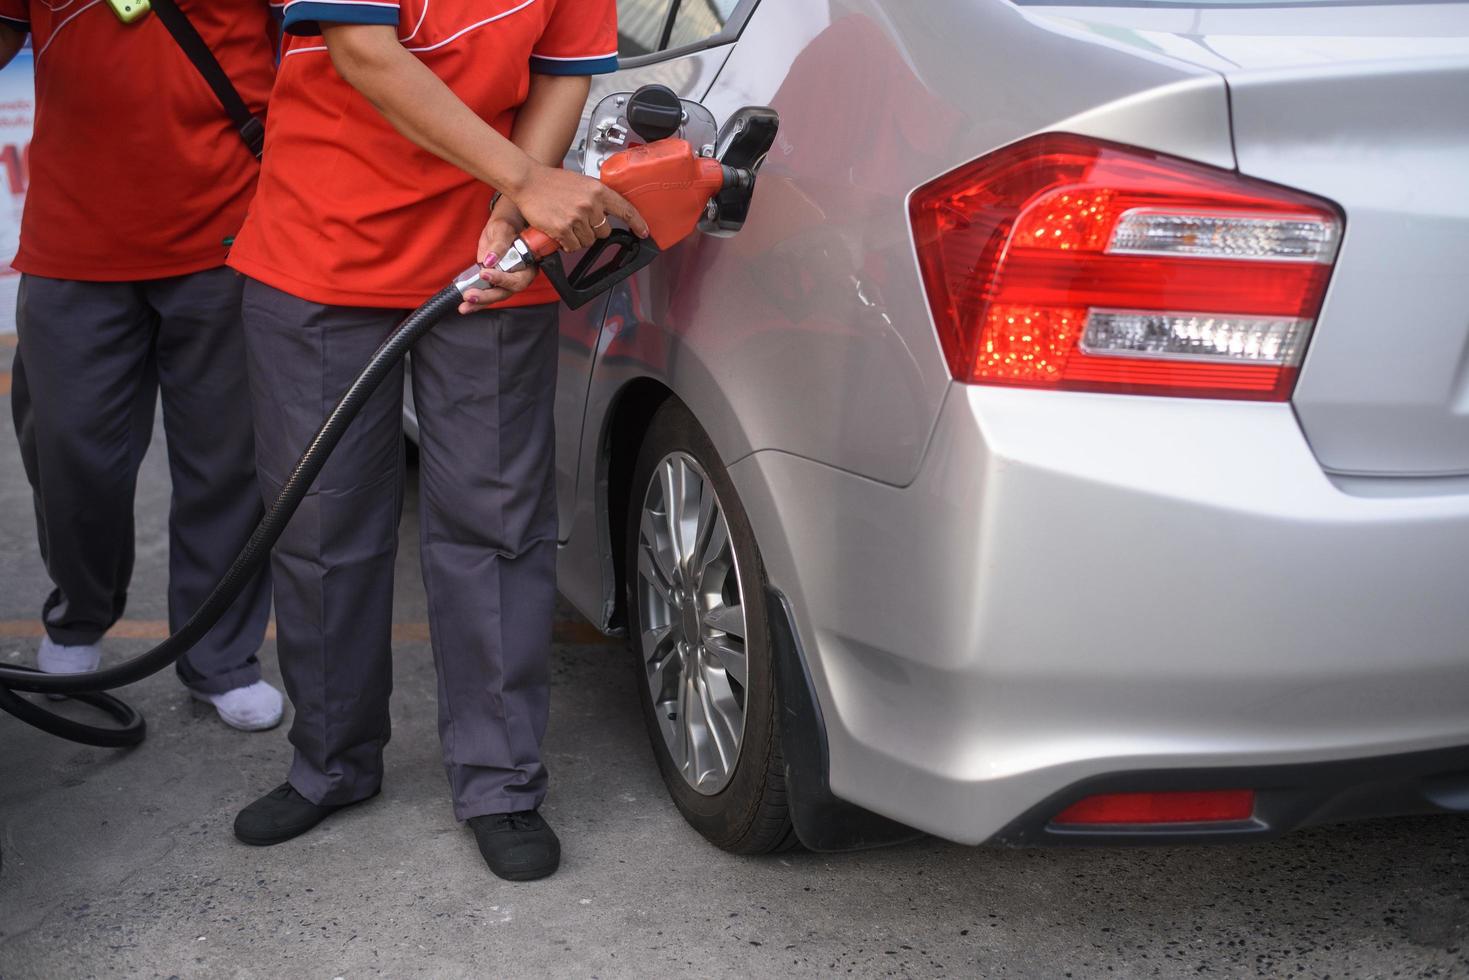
{"type": "Point", "coordinates": [494, 243]}
{"type": "Point", "coordinates": [573, 208]}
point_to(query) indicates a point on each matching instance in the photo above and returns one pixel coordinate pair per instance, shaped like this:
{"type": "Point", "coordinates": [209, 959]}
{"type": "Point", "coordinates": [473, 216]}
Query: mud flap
{"type": "Point", "coordinates": [822, 821]}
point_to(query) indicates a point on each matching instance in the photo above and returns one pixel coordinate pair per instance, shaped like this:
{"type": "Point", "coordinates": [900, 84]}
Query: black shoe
{"type": "Point", "coordinates": [280, 815]}
{"type": "Point", "coordinates": [517, 846]}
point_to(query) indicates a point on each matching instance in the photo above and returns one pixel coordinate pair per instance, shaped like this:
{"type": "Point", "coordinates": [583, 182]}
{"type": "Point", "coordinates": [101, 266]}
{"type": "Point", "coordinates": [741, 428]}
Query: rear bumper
{"type": "Point", "coordinates": [1077, 586]}
{"type": "Point", "coordinates": [1287, 797]}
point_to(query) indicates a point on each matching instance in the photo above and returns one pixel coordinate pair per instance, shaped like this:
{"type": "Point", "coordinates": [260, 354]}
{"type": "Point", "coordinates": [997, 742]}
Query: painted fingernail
{"type": "Point", "coordinates": [490, 258]}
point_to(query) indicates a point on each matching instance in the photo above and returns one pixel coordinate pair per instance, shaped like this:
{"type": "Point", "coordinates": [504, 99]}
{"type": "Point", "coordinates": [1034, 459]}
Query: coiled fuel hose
{"type": "Point", "coordinates": [87, 688]}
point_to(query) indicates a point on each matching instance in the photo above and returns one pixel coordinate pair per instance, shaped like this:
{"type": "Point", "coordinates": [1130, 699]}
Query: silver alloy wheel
{"type": "Point", "coordinates": [692, 607]}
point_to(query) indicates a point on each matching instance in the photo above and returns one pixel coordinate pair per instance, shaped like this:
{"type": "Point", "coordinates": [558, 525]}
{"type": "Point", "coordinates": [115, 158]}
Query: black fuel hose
{"type": "Point", "coordinates": [87, 687]}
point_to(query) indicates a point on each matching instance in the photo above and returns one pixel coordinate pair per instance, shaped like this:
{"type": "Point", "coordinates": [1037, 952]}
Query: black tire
{"type": "Point", "coordinates": [749, 815]}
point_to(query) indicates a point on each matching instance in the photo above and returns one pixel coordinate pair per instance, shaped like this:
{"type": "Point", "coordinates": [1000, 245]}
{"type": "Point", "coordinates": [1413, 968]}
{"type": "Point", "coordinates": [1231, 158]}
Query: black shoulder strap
{"type": "Point", "coordinates": [251, 129]}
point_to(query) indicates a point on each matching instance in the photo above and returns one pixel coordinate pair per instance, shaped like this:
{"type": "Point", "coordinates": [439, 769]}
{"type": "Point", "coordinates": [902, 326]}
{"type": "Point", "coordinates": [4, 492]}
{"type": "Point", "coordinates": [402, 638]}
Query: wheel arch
{"type": "Point", "coordinates": [822, 821]}
{"type": "Point", "coordinates": [627, 424]}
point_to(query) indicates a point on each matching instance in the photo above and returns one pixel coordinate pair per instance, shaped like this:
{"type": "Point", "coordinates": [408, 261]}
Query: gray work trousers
{"type": "Point", "coordinates": [483, 387]}
{"type": "Point", "coordinates": [91, 361]}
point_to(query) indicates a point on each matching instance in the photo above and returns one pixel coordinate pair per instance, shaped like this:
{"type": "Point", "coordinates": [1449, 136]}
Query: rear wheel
{"type": "Point", "coordinates": [696, 610]}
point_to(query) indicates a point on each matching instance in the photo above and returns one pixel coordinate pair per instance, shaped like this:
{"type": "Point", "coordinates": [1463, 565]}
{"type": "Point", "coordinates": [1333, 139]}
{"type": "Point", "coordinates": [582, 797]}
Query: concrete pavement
{"type": "Point", "coordinates": [122, 863]}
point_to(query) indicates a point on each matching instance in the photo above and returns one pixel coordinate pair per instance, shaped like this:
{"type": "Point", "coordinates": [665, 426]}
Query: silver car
{"type": "Point", "coordinates": [1073, 446]}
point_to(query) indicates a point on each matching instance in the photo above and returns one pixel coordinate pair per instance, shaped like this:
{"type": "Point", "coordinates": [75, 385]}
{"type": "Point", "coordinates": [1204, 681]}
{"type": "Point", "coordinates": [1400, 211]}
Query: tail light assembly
{"type": "Point", "coordinates": [1068, 263]}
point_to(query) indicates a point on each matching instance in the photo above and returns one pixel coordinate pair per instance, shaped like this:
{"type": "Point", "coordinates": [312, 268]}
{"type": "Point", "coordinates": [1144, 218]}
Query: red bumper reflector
{"type": "Point", "coordinates": [1208, 806]}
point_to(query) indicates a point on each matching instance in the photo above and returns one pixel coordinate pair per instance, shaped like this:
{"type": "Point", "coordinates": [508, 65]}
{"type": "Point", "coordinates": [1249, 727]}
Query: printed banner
{"type": "Point", "coordinates": [17, 113]}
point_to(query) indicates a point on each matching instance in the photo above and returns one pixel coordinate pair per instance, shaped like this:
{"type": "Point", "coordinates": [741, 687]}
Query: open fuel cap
{"type": "Point", "coordinates": [654, 112]}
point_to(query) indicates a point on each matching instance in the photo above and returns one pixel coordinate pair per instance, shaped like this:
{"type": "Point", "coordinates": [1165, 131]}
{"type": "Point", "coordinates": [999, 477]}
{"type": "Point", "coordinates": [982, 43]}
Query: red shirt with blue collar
{"type": "Point", "coordinates": [135, 171]}
{"type": "Point", "coordinates": [351, 213]}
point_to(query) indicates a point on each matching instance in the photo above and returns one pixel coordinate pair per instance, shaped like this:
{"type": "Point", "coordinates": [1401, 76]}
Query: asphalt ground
{"type": "Point", "coordinates": [121, 863]}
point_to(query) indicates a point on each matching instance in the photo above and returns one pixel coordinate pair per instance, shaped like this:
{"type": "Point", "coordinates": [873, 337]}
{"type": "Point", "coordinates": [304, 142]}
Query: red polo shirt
{"type": "Point", "coordinates": [350, 213]}
{"type": "Point", "coordinates": [135, 170]}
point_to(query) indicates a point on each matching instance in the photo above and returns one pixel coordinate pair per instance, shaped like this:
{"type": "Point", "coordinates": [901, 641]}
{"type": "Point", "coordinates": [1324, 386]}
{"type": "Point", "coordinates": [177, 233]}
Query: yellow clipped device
{"type": "Point", "coordinates": [129, 11]}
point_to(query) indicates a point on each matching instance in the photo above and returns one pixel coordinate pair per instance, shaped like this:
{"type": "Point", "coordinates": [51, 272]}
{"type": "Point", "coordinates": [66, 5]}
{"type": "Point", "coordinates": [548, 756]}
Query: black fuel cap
{"type": "Point", "coordinates": [654, 112]}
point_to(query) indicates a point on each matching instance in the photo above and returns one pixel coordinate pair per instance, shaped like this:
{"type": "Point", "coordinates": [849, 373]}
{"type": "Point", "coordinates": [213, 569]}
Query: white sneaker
{"type": "Point", "coordinates": [53, 658]}
{"type": "Point", "coordinates": [252, 708]}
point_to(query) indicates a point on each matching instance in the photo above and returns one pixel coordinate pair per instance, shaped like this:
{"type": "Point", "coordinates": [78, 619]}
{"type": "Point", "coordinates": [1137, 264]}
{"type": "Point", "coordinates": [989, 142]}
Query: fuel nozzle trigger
{"type": "Point", "coordinates": [594, 273]}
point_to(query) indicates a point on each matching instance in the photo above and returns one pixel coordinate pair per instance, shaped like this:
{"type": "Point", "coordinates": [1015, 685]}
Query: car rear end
{"type": "Point", "coordinates": [1187, 554]}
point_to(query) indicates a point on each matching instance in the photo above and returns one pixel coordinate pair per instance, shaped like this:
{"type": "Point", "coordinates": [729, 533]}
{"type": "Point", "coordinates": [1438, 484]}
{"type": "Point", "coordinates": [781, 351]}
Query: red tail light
{"type": "Point", "coordinates": [1208, 806]}
{"type": "Point", "coordinates": [1063, 262]}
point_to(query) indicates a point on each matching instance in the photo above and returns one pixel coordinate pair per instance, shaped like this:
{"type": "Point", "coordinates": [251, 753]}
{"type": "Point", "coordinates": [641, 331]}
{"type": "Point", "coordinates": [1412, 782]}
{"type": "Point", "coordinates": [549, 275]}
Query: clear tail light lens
{"type": "Point", "coordinates": [1064, 262]}
{"type": "Point", "coordinates": [1145, 231]}
{"type": "Point", "coordinates": [1236, 337]}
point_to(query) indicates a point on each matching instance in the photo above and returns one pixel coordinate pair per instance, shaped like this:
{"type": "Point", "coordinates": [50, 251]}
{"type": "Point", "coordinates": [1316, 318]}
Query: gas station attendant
{"type": "Point", "coordinates": [391, 126]}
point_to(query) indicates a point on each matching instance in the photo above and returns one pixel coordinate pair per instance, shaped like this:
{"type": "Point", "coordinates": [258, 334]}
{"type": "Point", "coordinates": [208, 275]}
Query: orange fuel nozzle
{"type": "Point", "coordinates": [671, 187]}
{"type": "Point", "coordinates": [668, 184]}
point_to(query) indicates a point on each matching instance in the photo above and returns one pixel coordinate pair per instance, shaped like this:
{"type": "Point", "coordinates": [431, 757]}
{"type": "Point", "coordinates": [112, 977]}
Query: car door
{"type": "Point", "coordinates": [678, 43]}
